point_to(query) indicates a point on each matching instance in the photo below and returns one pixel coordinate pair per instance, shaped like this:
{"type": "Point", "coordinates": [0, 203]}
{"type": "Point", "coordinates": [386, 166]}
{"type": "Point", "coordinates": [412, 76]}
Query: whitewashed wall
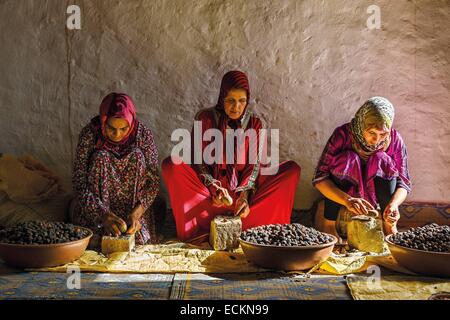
{"type": "Point", "coordinates": [311, 65]}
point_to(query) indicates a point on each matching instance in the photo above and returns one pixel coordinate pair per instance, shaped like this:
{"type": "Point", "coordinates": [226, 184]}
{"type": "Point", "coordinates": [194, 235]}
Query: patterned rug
{"type": "Point", "coordinates": [266, 286]}
{"type": "Point", "coordinates": [44, 285]}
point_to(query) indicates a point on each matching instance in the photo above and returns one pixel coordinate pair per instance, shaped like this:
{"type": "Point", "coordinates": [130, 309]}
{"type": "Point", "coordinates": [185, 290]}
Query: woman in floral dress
{"type": "Point", "coordinates": [115, 177]}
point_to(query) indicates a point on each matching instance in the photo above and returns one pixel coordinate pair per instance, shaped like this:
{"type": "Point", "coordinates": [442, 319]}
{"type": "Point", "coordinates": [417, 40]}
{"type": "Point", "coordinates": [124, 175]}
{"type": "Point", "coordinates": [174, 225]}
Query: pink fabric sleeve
{"type": "Point", "coordinates": [334, 146]}
{"type": "Point", "coordinates": [248, 176]}
{"type": "Point", "coordinates": [203, 170]}
{"type": "Point", "coordinates": [400, 156]}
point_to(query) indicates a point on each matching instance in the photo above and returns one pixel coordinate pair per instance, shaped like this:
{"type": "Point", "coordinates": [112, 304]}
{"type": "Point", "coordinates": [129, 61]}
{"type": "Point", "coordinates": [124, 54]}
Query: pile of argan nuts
{"type": "Point", "coordinates": [431, 237]}
{"type": "Point", "coordinates": [286, 235]}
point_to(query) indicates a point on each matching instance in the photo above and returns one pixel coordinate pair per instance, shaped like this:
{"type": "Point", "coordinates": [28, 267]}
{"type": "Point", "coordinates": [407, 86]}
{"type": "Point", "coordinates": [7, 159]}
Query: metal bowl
{"type": "Point", "coordinates": [287, 258]}
{"type": "Point", "coordinates": [43, 255]}
{"type": "Point", "coordinates": [421, 261]}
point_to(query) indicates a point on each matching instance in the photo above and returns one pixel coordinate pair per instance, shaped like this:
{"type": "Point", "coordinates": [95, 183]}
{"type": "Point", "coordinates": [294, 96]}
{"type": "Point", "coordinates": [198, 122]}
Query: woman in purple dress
{"type": "Point", "coordinates": [115, 176]}
{"type": "Point", "coordinates": [364, 166]}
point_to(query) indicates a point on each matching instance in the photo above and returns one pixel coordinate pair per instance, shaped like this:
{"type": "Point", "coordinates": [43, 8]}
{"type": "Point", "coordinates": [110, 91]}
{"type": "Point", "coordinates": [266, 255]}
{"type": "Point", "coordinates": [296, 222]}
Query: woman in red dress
{"type": "Point", "coordinates": [199, 192]}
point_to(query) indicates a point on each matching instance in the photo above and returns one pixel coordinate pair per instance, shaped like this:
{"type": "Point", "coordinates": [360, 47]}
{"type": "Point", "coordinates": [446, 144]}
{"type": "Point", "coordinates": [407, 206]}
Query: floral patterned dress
{"type": "Point", "coordinates": [104, 181]}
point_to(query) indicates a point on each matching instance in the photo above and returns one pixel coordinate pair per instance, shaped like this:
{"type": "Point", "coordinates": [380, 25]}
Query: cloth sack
{"type": "Point", "coordinates": [26, 181]}
{"type": "Point", "coordinates": [363, 233]}
{"type": "Point", "coordinates": [366, 234]}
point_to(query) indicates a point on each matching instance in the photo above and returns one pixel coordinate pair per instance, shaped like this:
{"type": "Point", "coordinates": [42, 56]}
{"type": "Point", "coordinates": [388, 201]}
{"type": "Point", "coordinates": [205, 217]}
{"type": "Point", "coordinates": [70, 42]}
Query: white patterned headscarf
{"type": "Point", "coordinates": [379, 105]}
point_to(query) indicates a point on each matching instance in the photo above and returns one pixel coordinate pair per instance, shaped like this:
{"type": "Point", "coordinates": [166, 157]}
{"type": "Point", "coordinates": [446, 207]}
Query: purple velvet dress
{"type": "Point", "coordinates": [340, 161]}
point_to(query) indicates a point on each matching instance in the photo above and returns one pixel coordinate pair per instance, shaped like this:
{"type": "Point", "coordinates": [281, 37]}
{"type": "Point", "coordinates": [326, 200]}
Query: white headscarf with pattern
{"type": "Point", "coordinates": [381, 106]}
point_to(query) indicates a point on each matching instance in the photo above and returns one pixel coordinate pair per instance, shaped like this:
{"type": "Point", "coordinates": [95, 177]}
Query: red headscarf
{"type": "Point", "coordinates": [231, 80]}
{"type": "Point", "coordinates": [116, 105]}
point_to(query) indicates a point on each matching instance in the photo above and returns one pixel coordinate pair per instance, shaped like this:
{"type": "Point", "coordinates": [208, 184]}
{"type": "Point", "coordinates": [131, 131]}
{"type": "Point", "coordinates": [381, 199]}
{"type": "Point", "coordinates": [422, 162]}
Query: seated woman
{"type": "Point", "coordinates": [115, 175]}
{"type": "Point", "coordinates": [199, 192]}
{"type": "Point", "coordinates": [364, 166]}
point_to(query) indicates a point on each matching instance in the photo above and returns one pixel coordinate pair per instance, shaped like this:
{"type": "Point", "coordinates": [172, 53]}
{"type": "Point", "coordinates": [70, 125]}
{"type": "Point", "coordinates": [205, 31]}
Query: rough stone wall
{"type": "Point", "coordinates": [311, 65]}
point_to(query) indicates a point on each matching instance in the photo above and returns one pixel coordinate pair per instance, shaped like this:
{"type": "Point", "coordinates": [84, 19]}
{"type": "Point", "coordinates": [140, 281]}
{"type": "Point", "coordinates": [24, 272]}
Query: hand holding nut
{"type": "Point", "coordinates": [222, 197]}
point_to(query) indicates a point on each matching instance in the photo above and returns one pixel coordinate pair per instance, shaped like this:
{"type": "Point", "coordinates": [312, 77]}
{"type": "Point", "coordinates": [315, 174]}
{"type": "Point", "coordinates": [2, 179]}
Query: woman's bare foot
{"type": "Point", "coordinates": [324, 225]}
{"type": "Point", "coordinates": [95, 243]}
{"type": "Point", "coordinates": [198, 240]}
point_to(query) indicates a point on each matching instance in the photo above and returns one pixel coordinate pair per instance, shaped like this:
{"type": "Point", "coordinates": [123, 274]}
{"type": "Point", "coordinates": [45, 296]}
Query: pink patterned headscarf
{"type": "Point", "coordinates": [116, 105]}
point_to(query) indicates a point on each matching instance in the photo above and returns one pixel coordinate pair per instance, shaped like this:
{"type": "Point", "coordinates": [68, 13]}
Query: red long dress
{"type": "Point", "coordinates": [272, 196]}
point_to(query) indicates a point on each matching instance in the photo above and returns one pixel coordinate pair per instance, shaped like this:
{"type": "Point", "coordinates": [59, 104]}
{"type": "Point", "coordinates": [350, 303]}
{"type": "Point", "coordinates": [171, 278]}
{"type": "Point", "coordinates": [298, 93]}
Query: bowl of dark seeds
{"type": "Point", "coordinates": [440, 296]}
{"type": "Point", "coordinates": [38, 244]}
{"type": "Point", "coordinates": [286, 246]}
{"type": "Point", "coordinates": [423, 250]}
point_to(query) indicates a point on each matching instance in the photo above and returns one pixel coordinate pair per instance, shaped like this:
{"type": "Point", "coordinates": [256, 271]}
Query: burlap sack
{"type": "Point", "coordinates": [26, 181]}
{"type": "Point", "coordinates": [366, 234]}
{"type": "Point", "coordinates": [54, 209]}
{"type": "Point", "coordinates": [362, 232]}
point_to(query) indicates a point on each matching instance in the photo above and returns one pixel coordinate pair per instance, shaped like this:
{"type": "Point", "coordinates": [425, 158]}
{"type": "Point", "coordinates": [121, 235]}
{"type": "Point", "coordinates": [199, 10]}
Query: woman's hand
{"type": "Point", "coordinates": [113, 225]}
{"type": "Point", "coordinates": [358, 206]}
{"type": "Point", "coordinates": [133, 219]}
{"type": "Point", "coordinates": [391, 214]}
{"type": "Point", "coordinates": [222, 198]}
{"type": "Point", "coordinates": [242, 206]}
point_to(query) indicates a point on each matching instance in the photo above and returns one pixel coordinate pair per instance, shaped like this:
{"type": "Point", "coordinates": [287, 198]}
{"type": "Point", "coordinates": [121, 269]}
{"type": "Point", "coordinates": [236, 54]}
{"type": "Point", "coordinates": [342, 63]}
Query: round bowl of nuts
{"type": "Point", "coordinates": [423, 250]}
{"type": "Point", "coordinates": [286, 247]}
{"type": "Point", "coordinates": [38, 244]}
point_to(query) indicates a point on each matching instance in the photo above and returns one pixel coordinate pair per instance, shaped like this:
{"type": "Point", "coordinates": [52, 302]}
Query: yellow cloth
{"type": "Point", "coordinates": [178, 257]}
{"type": "Point", "coordinates": [358, 261]}
{"type": "Point", "coordinates": [337, 264]}
{"type": "Point", "coordinates": [165, 258]}
{"type": "Point", "coordinates": [396, 287]}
